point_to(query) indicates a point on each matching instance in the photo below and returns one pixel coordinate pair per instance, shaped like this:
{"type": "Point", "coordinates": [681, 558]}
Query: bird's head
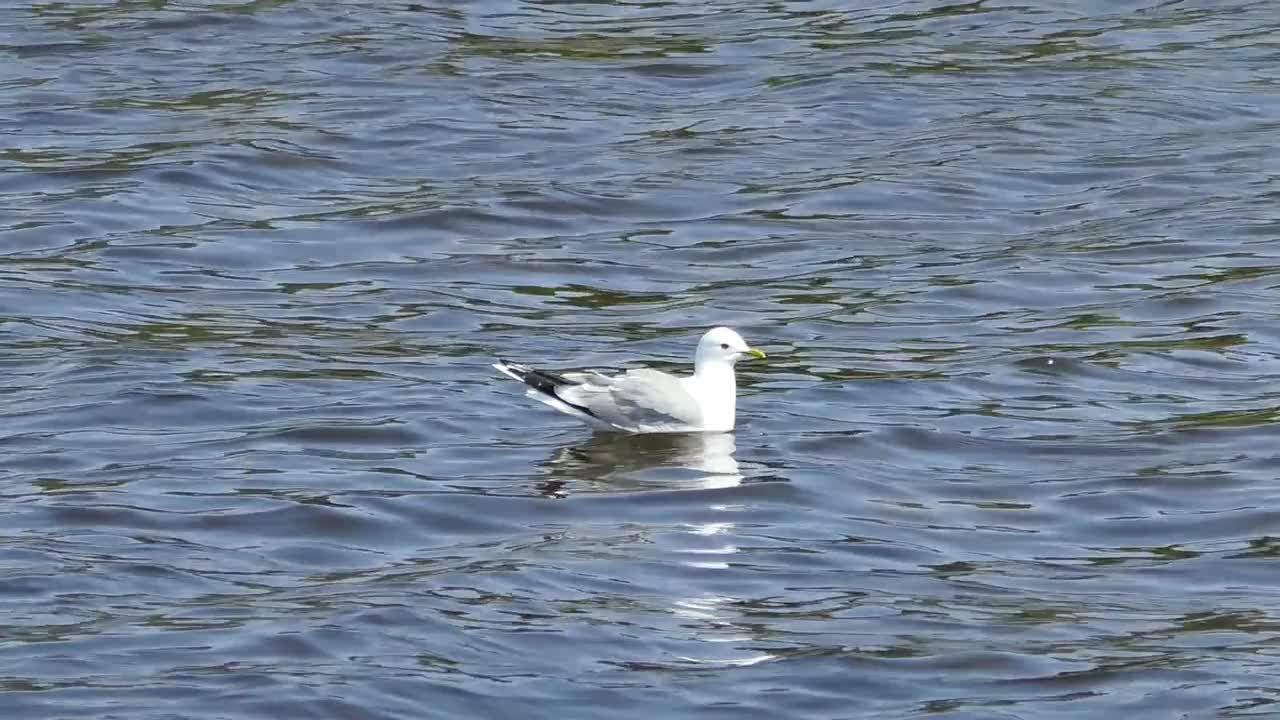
{"type": "Point", "coordinates": [724, 345]}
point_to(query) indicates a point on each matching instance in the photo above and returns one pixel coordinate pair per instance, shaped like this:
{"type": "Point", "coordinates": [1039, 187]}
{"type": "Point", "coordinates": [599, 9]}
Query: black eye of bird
{"type": "Point", "coordinates": [724, 346]}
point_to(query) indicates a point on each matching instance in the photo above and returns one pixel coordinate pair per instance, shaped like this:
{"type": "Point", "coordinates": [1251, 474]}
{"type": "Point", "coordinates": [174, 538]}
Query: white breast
{"type": "Point", "coordinates": [717, 393]}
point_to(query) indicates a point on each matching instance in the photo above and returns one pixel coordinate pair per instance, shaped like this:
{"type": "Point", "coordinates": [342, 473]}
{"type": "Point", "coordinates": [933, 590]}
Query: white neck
{"type": "Point", "coordinates": [714, 381]}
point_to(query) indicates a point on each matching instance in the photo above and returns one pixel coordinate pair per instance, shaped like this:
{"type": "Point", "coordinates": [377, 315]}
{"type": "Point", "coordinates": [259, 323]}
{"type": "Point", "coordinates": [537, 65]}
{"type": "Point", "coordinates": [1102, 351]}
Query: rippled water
{"type": "Point", "coordinates": [1014, 454]}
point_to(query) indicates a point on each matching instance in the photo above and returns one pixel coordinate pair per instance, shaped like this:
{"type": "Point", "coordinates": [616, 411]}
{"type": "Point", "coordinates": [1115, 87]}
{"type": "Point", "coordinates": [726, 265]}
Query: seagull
{"type": "Point", "coordinates": [644, 400]}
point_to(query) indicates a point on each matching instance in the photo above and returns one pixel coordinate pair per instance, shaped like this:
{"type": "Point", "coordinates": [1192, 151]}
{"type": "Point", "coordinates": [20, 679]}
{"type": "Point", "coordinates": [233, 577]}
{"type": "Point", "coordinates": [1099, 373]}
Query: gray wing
{"type": "Point", "coordinates": [637, 399]}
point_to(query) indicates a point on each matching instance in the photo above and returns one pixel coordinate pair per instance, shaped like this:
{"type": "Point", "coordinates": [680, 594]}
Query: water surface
{"type": "Point", "coordinates": [1013, 455]}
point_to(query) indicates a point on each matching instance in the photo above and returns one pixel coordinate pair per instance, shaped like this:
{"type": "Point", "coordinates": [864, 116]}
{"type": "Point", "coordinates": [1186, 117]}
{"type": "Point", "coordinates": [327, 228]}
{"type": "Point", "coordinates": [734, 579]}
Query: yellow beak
{"type": "Point", "coordinates": [759, 354]}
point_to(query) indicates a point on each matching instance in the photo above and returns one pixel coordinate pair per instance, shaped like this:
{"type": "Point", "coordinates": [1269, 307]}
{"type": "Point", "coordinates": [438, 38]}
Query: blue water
{"type": "Point", "coordinates": [1013, 455]}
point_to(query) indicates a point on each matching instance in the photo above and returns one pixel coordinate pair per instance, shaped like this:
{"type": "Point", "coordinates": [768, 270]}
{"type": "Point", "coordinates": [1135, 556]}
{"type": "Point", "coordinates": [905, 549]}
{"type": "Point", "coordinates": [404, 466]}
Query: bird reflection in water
{"type": "Point", "coordinates": [635, 463]}
{"type": "Point", "coordinates": [620, 463]}
{"type": "Point", "coordinates": [713, 629]}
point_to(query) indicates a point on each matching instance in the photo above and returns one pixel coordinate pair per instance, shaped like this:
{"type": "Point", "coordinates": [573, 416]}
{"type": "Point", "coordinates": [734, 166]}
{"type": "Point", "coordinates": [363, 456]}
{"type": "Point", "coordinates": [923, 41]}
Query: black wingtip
{"type": "Point", "coordinates": [544, 382]}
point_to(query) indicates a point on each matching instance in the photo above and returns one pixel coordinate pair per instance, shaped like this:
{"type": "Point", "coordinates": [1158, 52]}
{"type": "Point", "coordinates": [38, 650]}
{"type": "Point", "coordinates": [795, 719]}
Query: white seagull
{"type": "Point", "coordinates": [648, 401]}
